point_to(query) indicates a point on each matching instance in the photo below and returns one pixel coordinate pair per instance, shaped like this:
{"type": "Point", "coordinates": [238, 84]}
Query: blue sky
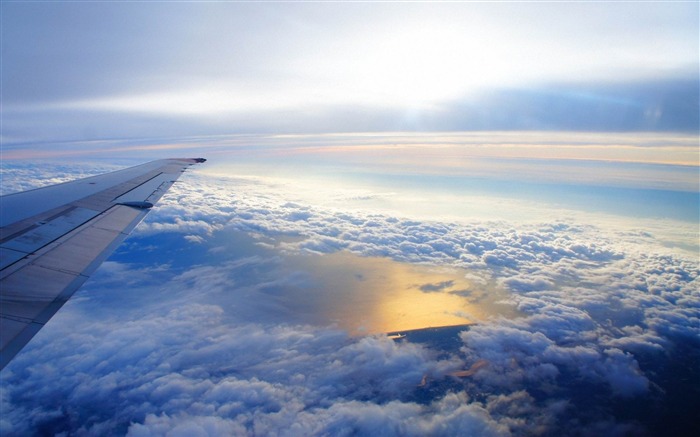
{"type": "Point", "coordinates": [89, 70]}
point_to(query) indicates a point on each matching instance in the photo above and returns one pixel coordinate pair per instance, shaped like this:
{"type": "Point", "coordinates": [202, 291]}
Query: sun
{"type": "Point", "coordinates": [418, 66]}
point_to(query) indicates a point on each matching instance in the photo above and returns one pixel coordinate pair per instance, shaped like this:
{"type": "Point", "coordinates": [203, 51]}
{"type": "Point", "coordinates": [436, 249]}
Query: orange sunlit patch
{"type": "Point", "coordinates": [367, 295]}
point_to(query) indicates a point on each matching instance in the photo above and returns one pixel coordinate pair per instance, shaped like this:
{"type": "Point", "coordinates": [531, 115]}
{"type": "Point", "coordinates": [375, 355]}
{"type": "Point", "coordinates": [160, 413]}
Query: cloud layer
{"type": "Point", "coordinates": [155, 346]}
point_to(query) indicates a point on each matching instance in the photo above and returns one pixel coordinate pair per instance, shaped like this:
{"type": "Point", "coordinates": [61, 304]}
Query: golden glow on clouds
{"type": "Point", "coordinates": [376, 295]}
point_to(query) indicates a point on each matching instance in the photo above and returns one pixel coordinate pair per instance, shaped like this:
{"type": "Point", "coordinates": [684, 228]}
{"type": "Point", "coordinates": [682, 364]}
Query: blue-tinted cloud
{"type": "Point", "coordinates": [644, 106]}
{"type": "Point", "coordinates": [660, 106]}
{"type": "Point", "coordinates": [77, 71]}
{"type": "Point", "coordinates": [154, 348]}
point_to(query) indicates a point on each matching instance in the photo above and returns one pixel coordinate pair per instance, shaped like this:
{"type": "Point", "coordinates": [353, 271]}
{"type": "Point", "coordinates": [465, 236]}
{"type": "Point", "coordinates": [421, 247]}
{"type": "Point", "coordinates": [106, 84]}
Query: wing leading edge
{"type": "Point", "coordinates": [53, 238]}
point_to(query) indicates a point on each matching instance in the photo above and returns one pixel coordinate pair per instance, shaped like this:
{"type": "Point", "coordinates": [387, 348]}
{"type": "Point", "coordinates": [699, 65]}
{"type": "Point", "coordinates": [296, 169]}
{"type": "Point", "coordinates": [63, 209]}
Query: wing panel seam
{"type": "Point", "coordinates": [146, 181]}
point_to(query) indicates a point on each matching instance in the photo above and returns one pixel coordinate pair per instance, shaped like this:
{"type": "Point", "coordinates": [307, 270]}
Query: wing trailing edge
{"type": "Point", "coordinates": [53, 238]}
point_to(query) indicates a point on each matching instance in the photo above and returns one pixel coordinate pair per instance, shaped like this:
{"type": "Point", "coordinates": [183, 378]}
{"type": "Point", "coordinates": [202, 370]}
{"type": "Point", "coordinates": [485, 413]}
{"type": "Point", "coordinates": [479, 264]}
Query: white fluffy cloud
{"type": "Point", "coordinates": [596, 307]}
{"type": "Point", "coordinates": [27, 175]}
{"type": "Point", "coordinates": [187, 370]}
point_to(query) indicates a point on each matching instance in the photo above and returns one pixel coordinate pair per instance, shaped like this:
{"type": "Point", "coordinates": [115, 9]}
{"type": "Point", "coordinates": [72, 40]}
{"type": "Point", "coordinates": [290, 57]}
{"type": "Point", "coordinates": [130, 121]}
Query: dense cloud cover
{"type": "Point", "coordinates": [609, 324]}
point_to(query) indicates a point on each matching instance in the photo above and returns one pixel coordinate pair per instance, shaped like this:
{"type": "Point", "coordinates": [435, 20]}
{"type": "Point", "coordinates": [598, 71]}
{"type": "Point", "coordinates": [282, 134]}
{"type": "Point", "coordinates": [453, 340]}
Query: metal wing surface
{"type": "Point", "coordinates": [53, 238]}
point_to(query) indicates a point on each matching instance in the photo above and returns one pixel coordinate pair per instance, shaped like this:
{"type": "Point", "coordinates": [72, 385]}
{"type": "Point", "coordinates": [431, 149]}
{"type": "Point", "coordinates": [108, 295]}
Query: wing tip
{"type": "Point", "coordinates": [192, 160]}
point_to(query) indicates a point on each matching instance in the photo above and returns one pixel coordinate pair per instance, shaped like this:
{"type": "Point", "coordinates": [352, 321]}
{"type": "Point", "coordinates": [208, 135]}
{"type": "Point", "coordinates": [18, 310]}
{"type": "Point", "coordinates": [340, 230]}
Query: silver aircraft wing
{"type": "Point", "coordinates": [53, 238]}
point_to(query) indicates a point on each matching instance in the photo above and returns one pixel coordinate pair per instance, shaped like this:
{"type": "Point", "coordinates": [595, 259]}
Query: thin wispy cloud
{"type": "Point", "coordinates": [101, 70]}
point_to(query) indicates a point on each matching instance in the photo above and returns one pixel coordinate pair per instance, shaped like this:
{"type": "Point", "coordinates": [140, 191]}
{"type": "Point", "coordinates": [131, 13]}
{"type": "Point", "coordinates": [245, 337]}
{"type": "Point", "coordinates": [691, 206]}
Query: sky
{"type": "Point", "coordinates": [528, 172]}
{"type": "Point", "coordinates": [97, 70]}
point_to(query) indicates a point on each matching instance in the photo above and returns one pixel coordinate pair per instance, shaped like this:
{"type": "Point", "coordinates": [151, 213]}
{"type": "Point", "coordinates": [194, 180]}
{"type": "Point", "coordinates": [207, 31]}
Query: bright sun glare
{"type": "Point", "coordinates": [417, 66]}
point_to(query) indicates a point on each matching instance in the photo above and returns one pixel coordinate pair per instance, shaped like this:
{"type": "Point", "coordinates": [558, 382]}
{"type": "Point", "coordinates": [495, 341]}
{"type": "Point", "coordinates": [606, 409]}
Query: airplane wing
{"type": "Point", "coordinates": [53, 238]}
